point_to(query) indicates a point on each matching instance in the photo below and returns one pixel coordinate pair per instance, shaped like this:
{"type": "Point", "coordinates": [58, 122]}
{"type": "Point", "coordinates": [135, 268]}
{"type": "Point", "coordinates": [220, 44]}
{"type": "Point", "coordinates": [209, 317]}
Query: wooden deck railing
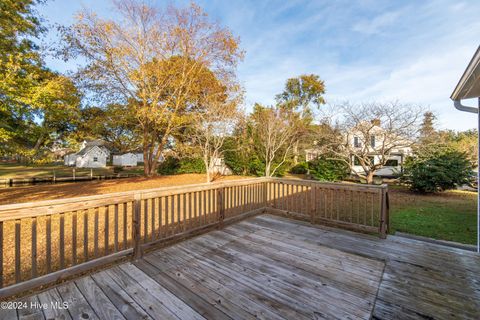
{"type": "Point", "coordinates": [353, 206]}
{"type": "Point", "coordinates": [47, 241]}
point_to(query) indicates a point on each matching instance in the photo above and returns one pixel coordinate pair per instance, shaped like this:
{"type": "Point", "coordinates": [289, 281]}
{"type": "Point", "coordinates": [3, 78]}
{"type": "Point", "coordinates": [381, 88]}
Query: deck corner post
{"type": "Point", "coordinates": [383, 227]}
{"type": "Point", "coordinates": [136, 216]}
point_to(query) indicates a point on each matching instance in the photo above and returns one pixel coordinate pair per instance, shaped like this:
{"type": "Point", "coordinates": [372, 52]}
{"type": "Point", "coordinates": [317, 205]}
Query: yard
{"type": "Point", "coordinates": [447, 216]}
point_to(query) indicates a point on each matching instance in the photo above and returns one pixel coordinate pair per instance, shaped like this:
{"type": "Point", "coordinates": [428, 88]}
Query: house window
{"type": "Point", "coordinates": [95, 159]}
{"type": "Point", "coordinates": [356, 142]}
{"type": "Point", "coordinates": [391, 163]}
{"type": "Point", "coordinates": [372, 141]}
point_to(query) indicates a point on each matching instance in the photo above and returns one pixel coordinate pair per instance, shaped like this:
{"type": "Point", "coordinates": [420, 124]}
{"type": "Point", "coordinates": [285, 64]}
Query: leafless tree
{"type": "Point", "coordinates": [367, 134]}
{"type": "Point", "coordinates": [211, 126]}
{"type": "Point", "coordinates": [274, 131]}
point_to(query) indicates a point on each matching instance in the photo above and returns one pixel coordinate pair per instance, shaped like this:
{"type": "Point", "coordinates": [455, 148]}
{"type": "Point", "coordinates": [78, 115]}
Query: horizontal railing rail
{"type": "Point", "coordinates": [47, 241]}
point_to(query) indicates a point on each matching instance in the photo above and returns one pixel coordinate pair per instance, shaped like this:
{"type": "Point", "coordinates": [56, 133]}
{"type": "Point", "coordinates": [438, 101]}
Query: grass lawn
{"type": "Point", "coordinates": [447, 216]}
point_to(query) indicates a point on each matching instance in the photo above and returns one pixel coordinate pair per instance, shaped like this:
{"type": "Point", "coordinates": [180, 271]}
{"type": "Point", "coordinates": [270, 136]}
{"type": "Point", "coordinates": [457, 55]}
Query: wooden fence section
{"type": "Point", "coordinates": [357, 207]}
{"type": "Point", "coordinates": [43, 242]}
{"type": "Point", "coordinates": [47, 241]}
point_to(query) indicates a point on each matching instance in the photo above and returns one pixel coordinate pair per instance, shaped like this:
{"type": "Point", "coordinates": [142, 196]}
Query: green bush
{"type": "Point", "coordinates": [436, 168]}
{"type": "Point", "coordinates": [173, 165]}
{"type": "Point", "coordinates": [191, 165]}
{"type": "Point", "coordinates": [327, 169]}
{"type": "Point", "coordinates": [300, 168]}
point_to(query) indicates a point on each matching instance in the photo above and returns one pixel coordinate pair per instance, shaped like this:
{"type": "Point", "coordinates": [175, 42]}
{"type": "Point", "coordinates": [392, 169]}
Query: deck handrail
{"type": "Point", "coordinates": [82, 233]}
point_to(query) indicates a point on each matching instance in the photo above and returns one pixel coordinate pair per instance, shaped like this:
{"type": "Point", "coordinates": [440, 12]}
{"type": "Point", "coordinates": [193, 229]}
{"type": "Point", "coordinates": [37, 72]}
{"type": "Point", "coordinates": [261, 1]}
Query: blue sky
{"type": "Point", "coordinates": [366, 50]}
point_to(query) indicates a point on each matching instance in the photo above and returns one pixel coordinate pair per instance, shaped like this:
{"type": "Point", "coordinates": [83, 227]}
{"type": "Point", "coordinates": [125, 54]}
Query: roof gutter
{"type": "Point", "coordinates": [459, 106]}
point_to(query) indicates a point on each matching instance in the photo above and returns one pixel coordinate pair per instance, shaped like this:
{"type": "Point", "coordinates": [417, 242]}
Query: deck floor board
{"type": "Point", "coordinates": [269, 267]}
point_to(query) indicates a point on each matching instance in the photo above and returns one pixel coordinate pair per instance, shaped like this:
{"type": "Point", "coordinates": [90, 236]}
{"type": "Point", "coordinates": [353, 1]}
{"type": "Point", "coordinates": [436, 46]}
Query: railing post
{"type": "Point", "coordinates": [383, 227]}
{"type": "Point", "coordinates": [136, 214]}
{"type": "Point", "coordinates": [220, 206]}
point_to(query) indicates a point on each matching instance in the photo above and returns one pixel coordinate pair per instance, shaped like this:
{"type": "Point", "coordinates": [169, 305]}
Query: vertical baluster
{"type": "Point", "coordinates": [160, 218]}
{"type": "Point", "coordinates": [95, 234]}
{"type": "Point", "coordinates": [372, 195]}
{"type": "Point", "coordinates": [125, 225]}
{"type": "Point", "coordinates": [204, 207]}
{"type": "Point", "coordinates": [115, 227]}
{"type": "Point", "coordinates": [179, 214]}
{"type": "Point", "coordinates": [107, 229]}
{"type": "Point", "coordinates": [17, 250]}
{"type": "Point", "coordinates": [34, 247]}
{"type": "Point", "coordinates": [189, 210]}
{"type": "Point", "coordinates": [172, 226]}
{"type": "Point", "coordinates": [166, 216]}
{"type": "Point", "coordinates": [62, 240]}
{"type": "Point", "coordinates": [48, 249]}
{"type": "Point", "coordinates": [184, 212]}
{"type": "Point", "coordinates": [145, 220]}
{"type": "Point", "coordinates": [74, 238]}
{"type": "Point", "coordinates": [85, 235]}
{"type": "Point", "coordinates": [153, 220]}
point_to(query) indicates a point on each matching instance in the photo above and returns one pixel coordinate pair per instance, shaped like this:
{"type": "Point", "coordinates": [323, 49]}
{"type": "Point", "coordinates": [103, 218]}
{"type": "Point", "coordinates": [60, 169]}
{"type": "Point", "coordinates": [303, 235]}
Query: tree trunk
{"type": "Point", "coordinates": [207, 168]}
{"type": "Point", "coordinates": [369, 177]}
{"type": "Point", "coordinates": [267, 170]}
{"type": "Point", "coordinates": [295, 152]}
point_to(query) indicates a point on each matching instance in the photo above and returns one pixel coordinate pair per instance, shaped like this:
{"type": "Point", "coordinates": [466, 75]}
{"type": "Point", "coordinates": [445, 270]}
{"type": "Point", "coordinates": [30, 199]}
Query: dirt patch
{"type": "Point", "coordinates": [88, 188]}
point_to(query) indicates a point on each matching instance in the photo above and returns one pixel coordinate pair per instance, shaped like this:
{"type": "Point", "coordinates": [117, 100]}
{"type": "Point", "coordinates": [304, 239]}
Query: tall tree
{"type": "Point", "coordinates": [302, 95]}
{"type": "Point", "coordinates": [212, 126]}
{"type": "Point", "coordinates": [35, 102]}
{"type": "Point", "coordinates": [274, 131]}
{"type": "Point", "coordinates": [157, 60]}
{"type": "Point", "coordinates": [428, 133]}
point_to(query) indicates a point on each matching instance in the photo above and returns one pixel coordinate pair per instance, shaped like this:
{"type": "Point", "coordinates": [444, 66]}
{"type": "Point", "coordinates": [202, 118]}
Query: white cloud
{"type": "Point", "coordinates": [377, 24]}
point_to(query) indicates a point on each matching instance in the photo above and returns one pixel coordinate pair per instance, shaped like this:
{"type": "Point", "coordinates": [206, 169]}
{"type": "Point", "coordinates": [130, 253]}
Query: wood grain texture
{"type": "Point", "coordinates": [270, 267]}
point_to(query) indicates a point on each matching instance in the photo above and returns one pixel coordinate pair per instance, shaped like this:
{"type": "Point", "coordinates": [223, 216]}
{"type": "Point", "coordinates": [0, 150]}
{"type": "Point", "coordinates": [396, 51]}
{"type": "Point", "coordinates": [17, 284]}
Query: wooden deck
{"type": "Point", "coordinates": [270, 267]}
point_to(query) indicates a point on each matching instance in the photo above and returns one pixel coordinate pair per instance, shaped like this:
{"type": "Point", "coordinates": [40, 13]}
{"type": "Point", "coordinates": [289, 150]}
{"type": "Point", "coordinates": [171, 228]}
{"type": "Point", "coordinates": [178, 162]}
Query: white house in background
{"type": "Point", "coordinates": [126, 160]}
{"type": "Point", "coordinates": [92, 155]}
{"type": "Point", "coordinates": [219, 167]}
{"type": "Point", "coordinates": [396, 156]}
{"type": "Point", "coordinates": [394, 164]}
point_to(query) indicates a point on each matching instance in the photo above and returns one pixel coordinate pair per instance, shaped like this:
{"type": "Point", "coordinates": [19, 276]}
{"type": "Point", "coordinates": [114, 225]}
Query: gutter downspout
{"type": "Point", "coordinates": [459, 106]}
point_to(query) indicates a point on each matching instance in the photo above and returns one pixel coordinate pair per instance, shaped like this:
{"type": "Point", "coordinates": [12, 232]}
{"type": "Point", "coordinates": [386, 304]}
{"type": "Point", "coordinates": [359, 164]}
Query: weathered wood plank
{"type": "Point", "coordinates": [77, 305]}
{"type": "Point", "coordinates": [55, 305]}
{"type": "Point", "coordinates": [122, 301]}
{"type": "Point", "coordinates": [95, 297]}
